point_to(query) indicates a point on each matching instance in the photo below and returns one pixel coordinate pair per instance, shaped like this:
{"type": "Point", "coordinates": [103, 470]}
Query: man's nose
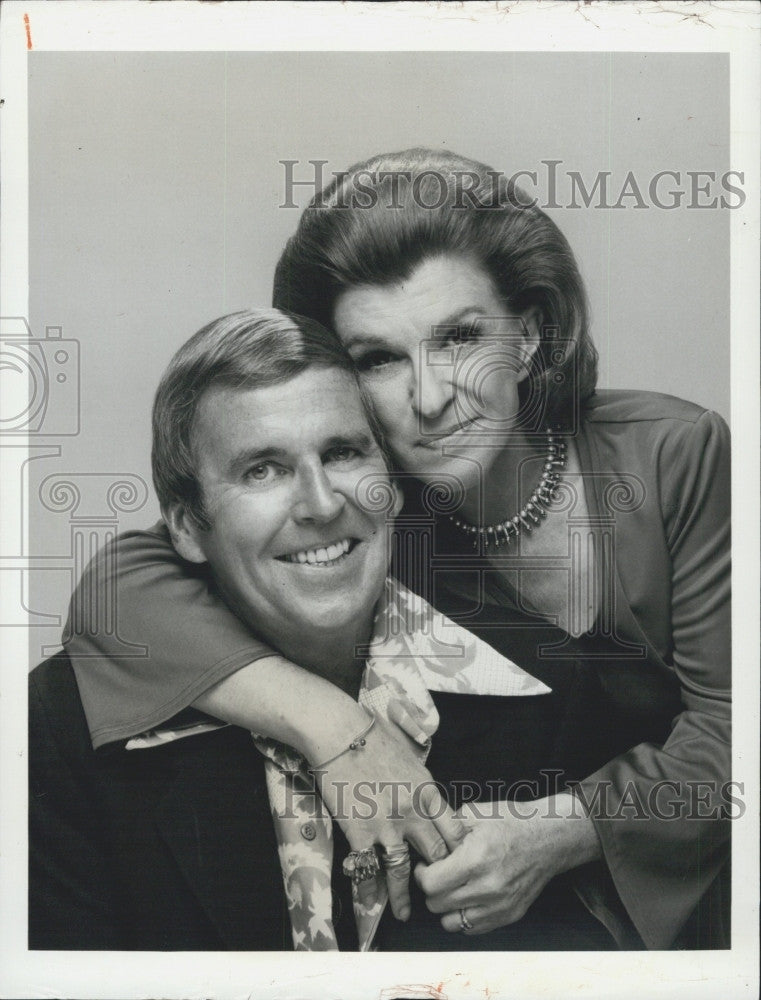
{"type": "Point", "coordinates": [317, 500]}
{"type": "Point", "coordinates": [432, 390]}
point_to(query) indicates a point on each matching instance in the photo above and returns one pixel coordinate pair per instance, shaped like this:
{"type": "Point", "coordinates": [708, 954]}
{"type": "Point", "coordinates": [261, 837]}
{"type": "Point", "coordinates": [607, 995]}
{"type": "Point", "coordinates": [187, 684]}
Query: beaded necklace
{"type": "Point", "coordinates": [528, 517]}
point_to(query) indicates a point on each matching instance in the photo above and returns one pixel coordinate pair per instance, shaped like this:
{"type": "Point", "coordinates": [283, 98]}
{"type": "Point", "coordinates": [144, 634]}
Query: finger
{"type": "Point", "coordinates": [430, 808]}
{"type": "Point", "coordinates": [429, 845]}
{"type": "Point", "coordinates": [363, 862]}
{"type": "Point", "coordinates": [398, 885]}
{"type": "Point", "coordinates": [367, 892]}
{"type": "Point", "coordinates": [444, 902]}
{"type": "Point", "coordinates": [452, 829]}
{"type": "Point", "coordinates": [418, 873]}
{"type": "Point", "coordinates": [476, 915]}
{"type": "Point", "coordinates": [448, 874]}
{"type": "Point", "coordinates": [399, 714]}
{"type": "Point", "coordinates": [356, 836]}
{"type": "Point", "coordinates": [464, 895]}
{"type": "Point", "coordinates": [431, 802]}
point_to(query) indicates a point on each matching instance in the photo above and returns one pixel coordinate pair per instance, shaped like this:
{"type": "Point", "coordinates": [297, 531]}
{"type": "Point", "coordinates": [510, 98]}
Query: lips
{"type": "Point", "coordinates": [322, 555]}
{"type": "Point", "coordinates": [436, 436]}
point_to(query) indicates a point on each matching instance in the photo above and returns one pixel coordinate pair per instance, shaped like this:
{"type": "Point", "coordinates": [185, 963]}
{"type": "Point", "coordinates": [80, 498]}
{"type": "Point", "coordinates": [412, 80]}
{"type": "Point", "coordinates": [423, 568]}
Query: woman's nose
{"type": "Point", "coordinates": [432, 391]}
{"type": "Point", "coordinates": [317, 500]}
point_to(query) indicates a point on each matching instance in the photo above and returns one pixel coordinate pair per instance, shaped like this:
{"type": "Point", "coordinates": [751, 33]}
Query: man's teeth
{"type": "Point", "coordinates": [314, 556]}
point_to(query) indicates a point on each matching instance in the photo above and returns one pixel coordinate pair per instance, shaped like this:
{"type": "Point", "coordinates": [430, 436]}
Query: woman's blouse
{"type": "Point", "coordinates": [656, 478]}
{"type": "Point", "coordinates": [671, 597]}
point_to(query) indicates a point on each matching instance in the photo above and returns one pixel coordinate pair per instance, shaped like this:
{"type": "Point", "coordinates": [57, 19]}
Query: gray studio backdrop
{"type": "Point", "coordinates": [155, 187]}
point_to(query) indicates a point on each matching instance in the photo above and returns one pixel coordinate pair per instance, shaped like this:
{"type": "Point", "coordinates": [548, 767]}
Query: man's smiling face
{"type": "Point", "coordinates": [290, 547]}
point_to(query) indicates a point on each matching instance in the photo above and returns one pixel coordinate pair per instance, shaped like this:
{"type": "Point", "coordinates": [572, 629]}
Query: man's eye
{"type": "Point", "coordinates": [375, 359]}
{"type": "Point", "coordinates": [261, 472]}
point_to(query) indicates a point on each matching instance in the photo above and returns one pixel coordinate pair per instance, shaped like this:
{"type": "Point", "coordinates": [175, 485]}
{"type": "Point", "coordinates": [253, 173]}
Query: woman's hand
{"type": "Point", "coordinates": [383, 795]}
{"type": "Point", "coordinates": [511, 851]}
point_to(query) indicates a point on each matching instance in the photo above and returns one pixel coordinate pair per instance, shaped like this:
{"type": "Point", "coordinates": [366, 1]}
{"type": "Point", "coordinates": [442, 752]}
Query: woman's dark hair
{"type": "Point", "coordinates": [252, 349]}
{"type": "Point", "coordinates": [378, 220]}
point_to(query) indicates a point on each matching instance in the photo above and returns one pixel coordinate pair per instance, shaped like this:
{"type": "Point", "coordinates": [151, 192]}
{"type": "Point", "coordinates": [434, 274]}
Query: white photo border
{"type": "Point", "coordinates": [524, 26]}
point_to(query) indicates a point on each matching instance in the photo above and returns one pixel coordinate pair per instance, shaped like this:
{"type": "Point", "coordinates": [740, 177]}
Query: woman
{"type": "Point", "coordinates": [606, 515]}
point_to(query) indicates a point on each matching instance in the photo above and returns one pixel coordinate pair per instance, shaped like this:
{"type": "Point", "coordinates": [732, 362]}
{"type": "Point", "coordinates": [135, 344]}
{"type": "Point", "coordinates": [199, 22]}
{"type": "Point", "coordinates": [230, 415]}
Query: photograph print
{"type": "Point", "coordinates": [377, 555]}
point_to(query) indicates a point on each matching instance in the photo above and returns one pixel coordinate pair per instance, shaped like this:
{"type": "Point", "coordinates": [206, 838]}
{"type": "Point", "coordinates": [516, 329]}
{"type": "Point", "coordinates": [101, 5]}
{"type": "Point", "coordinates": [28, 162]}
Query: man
{"type": "Point", "coordinates": [280, 463]}
{"type": "Point", "coordinates": [262, 446]}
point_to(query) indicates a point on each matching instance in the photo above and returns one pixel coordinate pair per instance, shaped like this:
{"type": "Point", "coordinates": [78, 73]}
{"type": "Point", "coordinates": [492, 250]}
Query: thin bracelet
{"type": "Point", "coordinates": [358, 743]}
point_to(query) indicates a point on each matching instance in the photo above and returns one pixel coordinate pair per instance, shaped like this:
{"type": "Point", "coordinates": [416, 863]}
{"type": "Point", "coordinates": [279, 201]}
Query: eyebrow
{"type": "Point", "coordinates": [360, 440]}
{"type": "Point", "coordinates": [250, 456]}
{"type": "Point", "coordinates": [458, 316]}
{"type": "Point", "coordinates": [371, 340]}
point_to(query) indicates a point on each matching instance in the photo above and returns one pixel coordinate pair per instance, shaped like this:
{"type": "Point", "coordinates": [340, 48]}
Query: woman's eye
{"type": "Point", "coordinates": [463, 334]}
{"type": "Point", "coordinates": [343, 453]}
{"type": "Point", "coordinates": [375, 359]}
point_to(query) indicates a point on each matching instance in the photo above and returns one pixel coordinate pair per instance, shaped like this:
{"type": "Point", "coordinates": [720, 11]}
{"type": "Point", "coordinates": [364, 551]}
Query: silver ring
{"type": "Point", "coordinates": [360, 866]}
{"type": "Point", "coordinates": [465, 924]}
{"type": "Point", "coordinates": [396, 856]}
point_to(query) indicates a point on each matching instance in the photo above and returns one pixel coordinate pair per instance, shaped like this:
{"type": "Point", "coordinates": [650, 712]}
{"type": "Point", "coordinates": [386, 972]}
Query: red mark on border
{"type": "Point", "coordinates": [28, 31]}
{"type": "Point", "coordinates": [417, 992]}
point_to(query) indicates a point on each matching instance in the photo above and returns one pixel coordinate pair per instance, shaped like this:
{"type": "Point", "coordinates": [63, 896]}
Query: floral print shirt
{"type": "Point", "coordinates": [414, 650]}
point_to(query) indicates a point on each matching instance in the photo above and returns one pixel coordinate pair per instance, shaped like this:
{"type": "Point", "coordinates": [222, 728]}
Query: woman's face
{"type": "Point", "coordinates": [442, 359]}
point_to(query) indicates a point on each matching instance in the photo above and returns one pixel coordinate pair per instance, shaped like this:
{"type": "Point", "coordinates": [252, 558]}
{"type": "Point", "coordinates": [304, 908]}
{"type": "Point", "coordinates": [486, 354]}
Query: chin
{"type": "Point", "coordinates": [332, 620]}
{"type": "Point", "coordinates": [467, 471]}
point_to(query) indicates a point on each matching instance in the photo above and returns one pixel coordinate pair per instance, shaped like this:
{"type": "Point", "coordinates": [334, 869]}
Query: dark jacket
{"type": "Point", "coordinates": [171, 848]}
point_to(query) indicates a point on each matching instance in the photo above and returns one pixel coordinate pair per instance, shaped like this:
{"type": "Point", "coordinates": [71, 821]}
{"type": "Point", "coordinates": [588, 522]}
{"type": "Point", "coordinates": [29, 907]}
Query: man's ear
{"type": "Point", "coordinates": [532, 336]}
{"type": "Point", "coordinates": [184, 532]}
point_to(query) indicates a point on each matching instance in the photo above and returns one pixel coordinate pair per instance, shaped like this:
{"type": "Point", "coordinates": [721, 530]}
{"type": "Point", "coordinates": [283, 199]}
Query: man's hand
{"type": "Point", "coordinates": [383, 795]}
{"type": "Point", "coordinates": [511, 851]}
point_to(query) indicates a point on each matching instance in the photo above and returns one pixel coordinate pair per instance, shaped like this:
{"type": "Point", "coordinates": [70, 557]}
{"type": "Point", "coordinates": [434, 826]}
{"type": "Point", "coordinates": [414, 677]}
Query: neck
{"type": "Point", "coordinates": [505, 485]}
{"type": "Point", "coordinates": [335, 655]}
